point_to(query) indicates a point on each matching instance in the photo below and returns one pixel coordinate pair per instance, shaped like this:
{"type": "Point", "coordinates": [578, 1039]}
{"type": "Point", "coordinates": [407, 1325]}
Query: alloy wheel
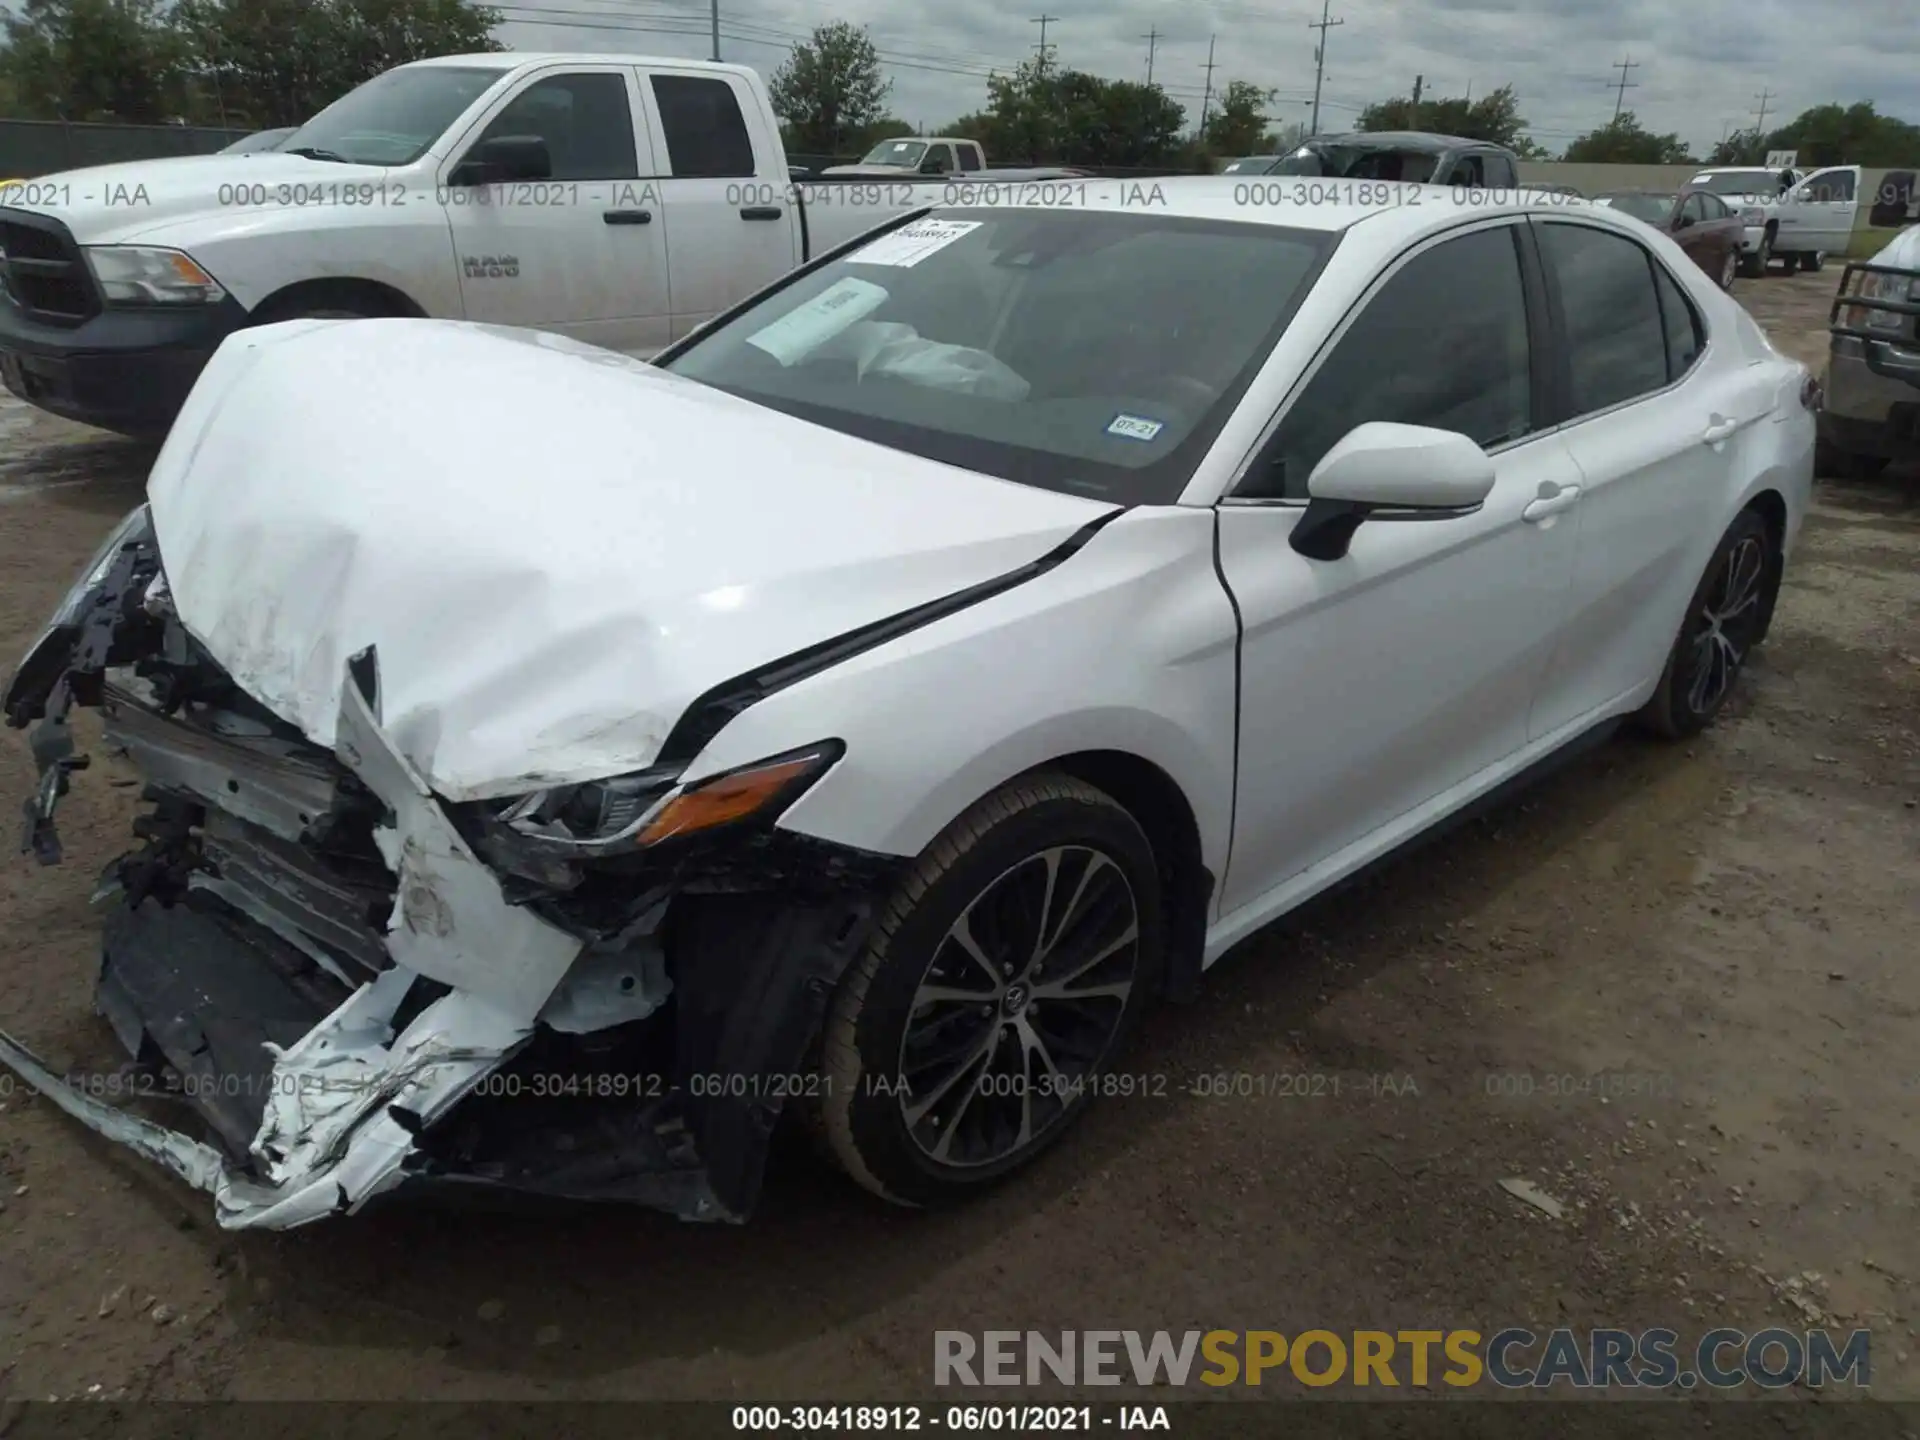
{"type": "Point", "coordinates": [1725, 625]}
{"type": "Point", "coordinates": [1021, 1000]}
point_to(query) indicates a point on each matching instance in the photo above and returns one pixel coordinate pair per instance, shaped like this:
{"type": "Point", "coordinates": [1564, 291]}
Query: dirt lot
{"type": "Point", "coordinates": [1726, 928]}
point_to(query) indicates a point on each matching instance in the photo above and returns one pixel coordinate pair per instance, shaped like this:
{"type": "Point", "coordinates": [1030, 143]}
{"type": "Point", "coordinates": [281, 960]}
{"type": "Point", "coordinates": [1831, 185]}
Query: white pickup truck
{"type": "Point", "coordinates": [1795, 215]}
{"type": "Point", "coordinates": [615, 199]}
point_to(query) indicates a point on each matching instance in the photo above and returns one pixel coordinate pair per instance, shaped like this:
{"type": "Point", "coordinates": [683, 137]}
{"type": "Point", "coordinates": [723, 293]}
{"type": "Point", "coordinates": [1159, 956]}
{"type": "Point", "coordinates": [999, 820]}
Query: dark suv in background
{"type": "Point", "coordinates": [1410, 157]}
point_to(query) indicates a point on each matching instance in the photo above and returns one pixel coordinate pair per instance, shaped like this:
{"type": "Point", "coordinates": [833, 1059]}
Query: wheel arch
{"type": "Point", "coordinates": [1156, 801]}
{"type": "Point", "coordinates": [336, 292]}
{"type": "Point", "coordinates": [1771, 506]}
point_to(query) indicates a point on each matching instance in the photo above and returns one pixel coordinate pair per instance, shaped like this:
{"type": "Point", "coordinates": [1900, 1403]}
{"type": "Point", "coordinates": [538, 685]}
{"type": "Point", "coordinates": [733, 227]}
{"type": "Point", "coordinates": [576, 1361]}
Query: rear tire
{"type": "Point", "coordinates": [1725, 619]}
{"type": "Point", "coordinates": [1812, 260]}
{"type": "Point", "coordinates": [1728, 268]}
{"type": "Point", "coordinates": [965, 1041]}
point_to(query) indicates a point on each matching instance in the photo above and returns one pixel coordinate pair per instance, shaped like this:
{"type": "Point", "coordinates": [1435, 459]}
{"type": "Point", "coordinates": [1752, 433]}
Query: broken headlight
{"type": "Point", "coordinates": [634, 812]}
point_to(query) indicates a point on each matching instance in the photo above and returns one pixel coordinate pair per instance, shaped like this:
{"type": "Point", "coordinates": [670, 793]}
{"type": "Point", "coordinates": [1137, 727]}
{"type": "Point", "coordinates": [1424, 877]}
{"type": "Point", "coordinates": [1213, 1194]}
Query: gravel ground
{"type": "Point", "coordinates": [1726, 927]}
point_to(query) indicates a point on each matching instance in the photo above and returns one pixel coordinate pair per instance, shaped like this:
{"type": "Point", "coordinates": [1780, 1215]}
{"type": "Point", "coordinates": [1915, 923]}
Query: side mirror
{"type": "Point", "coordinates": [504, 158]}
{"type": "Point", "coordinates": [1384, 466]}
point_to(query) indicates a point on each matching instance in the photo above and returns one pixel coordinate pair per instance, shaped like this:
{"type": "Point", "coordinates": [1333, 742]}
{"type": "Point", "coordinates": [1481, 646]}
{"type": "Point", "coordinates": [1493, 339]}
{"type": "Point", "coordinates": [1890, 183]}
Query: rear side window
{"type": "Point", "coordinates": [1616, 340]}
{"type": "Point", "coordinates": [1442, 343]}
{"type": "Point", "coordinates": [969, 157]}
{"type": "Point", "coordinates": [584, 120]}
{"type": "Point", "coordinates": [1686, 336]}
{"type": "Point", "coordinates": [1499, 171]}
{"type": "Point", "coordinates": [705, 132]}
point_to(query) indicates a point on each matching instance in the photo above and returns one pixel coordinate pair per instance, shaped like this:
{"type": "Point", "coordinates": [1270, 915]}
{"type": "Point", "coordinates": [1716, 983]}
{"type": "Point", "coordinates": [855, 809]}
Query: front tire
{"type": "Point", "coordinates": [1726, 618]}
{"type": "Point", "coordinates": [1007, 970]}
{"type": "Point", "coordinates": [1753, 264]}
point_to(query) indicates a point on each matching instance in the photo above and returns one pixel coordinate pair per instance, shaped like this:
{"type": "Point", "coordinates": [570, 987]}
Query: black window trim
{"type": "Point", "coordinates": [1565, 419]}
{"type": "Point", "coordinates": [641, 125]}
{"type": "Point", "coordinates": [1539, 335]}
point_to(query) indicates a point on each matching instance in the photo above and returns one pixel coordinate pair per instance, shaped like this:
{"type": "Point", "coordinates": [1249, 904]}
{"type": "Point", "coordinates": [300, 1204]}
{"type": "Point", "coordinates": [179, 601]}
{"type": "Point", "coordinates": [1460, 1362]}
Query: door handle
{"type": "Point", "coordinates": [760, 212]}
{"type": "Point", "coordinates": [627, 217]}
{"type": "Point", "coordinates": [1719, 430]}
{"type": "Point", "coordinates": [1565, 498]}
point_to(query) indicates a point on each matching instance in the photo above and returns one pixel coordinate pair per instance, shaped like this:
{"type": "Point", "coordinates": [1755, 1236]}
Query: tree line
{"type": "Point", "coordinates": [258, 63]}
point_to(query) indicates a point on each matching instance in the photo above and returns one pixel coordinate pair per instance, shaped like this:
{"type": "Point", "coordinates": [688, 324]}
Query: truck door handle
{"type": "Point", "coordinates": [1719, 430]}
{"type": "Point", "coordinates": [760, 212]}
{"type": "Point", "coordinates": [627, 217]}
{"type": "Point", "coordinates": [1550, 503]}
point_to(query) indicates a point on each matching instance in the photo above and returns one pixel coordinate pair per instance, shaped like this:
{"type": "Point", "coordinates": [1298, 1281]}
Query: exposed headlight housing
{"type": "Point", "coordinates": [628, 814]}
{"type": "Point", "coordinates": [151, 275]}
{"type": "Point", "coordinates": [34, 677]}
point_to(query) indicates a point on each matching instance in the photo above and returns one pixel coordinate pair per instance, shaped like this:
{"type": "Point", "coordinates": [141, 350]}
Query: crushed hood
{"type": "Point", "coordinates": [114, 203]}
{"type": "Point", "coordinates": [554, 548]}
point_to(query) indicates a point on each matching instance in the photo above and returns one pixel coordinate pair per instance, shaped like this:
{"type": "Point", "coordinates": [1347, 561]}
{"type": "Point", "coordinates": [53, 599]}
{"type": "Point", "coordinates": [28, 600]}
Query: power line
{"type": "Point", "coordinates": [1320, 58]}
{"type": "Point", "coordinates": [1206, 97]}
{"type": "Point", "coordinates": [1043, 21]}
{"type": "Point", "coordinates": [1152, 38]}
{"type": "Point", "coordinates": [1623, 66]}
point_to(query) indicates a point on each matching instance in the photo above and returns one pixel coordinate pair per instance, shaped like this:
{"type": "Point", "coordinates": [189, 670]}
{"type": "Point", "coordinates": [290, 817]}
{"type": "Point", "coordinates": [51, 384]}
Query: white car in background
{"type": "Point", "coordinates": [1793, 215]}
{"type": "Point", "coordinates": [873, 705]}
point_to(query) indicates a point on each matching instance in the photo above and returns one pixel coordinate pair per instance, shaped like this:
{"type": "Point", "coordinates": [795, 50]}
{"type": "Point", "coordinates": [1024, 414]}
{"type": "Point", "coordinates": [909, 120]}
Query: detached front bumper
{"type": "Point", "coordinates": [309, 949]}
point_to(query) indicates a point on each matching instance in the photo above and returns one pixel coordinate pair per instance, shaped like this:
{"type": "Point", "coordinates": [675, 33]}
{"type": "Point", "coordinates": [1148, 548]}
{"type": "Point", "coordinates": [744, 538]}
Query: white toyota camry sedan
{"type": "Point", "coordinates": [559, 767]}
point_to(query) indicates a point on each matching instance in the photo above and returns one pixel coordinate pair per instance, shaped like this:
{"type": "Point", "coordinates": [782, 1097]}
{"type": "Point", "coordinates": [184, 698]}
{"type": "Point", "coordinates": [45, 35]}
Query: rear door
{"type": "Point", "coordinates": [549, 254]}
{"type": "Point", "coordinates": [731, 223]}
{"type": "Point", "coordinates": [1656, 430]}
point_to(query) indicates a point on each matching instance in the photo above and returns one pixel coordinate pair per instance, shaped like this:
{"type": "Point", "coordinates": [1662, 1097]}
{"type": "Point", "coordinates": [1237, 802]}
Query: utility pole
{"type": "Point", "coordinates": [1469, 94]}
{"type": "Point", "coordinates": [1206, 96]}
{"type": "Point", "coordinates": [1760, 125]}
{"type": "Point", "coordinates": [1320, 58]}
{"type": "Point", "coordinates": [1152, 37]}
{"type": "Point", "coordinates": [716, 29]}
{"type": "Point", "coordinates": [1043, 21]}
{"type": "Point", "coordinates": [1413, 120]}
{"type": "Point", "coordinates": [1620, 98]}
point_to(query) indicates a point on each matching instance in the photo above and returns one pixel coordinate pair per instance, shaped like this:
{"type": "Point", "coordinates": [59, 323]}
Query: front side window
{"type": "Point", "coordinates": [1832, 186]}
{"type": "Point", "coordinates": [939, 161]}
{"type": "Point", "coordinates": [1443, 343]}
{"type": "Point", "coordinates": [1694, 207]}
{"type": "Point", "coordinates": [1090, 351]}
{"type": "Point", "coordinates": [393, 118]}
{"type": "Point", "coordinates": [1616, 342]}
{"type": "Point", "coordinates": [585, 121]}
{"type": "Point", "coordinates": [705, 132]}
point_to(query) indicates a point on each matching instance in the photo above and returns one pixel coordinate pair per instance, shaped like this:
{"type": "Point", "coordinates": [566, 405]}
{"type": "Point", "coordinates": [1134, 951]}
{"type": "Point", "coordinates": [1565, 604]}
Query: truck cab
{"type": "Point", "coordinates": [909, 155]}
{"type": "Point", "coordinates": [1793, 214]}
{"type": "Point", "coordinates": [614, 199]}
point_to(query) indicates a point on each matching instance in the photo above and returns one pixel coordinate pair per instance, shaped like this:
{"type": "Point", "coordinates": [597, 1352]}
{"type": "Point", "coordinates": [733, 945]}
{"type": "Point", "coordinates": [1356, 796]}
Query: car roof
{"type": "Point", "coordinates": [1426, 140]}
{"type": "Point", "coordinates": [515, 59]}
{"type": "Point", "coordinates": [1422, 208]}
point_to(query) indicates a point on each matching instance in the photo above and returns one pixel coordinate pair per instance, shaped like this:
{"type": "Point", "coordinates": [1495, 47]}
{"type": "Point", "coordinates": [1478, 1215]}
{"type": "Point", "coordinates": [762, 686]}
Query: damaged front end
{"type": "Point", "coordinates": [603, 990]}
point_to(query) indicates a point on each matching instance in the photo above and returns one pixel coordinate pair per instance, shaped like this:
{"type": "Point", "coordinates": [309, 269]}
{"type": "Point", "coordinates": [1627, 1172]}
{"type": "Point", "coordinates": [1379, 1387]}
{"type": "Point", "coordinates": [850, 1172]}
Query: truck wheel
{"type": "Point", "coordinates": [1828, 459]}
{"type": "Point", "coordinates": [1753, 263]}
{"type": "Point", "coordinates": [1812, 260]}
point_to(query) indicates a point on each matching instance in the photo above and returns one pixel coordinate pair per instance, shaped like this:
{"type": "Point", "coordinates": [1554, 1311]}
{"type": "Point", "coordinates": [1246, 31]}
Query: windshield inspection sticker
{"type": "Point", "coordinates": [909, 245]}
{"type": "Point", "coordinates": [807, 327]}
{"type": "Point", "coordinates": [1135, 427]}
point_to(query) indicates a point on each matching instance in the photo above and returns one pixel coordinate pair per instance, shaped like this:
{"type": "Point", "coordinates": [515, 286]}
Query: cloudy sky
{"type": "Point", "coordinates": [1699, 67]}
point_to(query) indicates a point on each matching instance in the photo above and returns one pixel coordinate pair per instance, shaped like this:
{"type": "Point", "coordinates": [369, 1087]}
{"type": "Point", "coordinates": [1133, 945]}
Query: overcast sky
{"type": "Point", "coordinates": [1699, 67]}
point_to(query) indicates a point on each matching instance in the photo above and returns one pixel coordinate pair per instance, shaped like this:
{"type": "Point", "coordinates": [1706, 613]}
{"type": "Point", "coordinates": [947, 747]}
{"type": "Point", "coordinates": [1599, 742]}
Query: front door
{"type": "Point", "coordinates": [1372, 684]}
{"type": "Point", "coordinates": [1828, 201]}
{"type": "Point", "coordinates": [582, 252]}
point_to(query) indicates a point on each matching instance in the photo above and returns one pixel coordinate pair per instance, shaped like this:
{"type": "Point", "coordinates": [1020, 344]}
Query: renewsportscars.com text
{"type": "Point", "coordinates": [1514, 1358]}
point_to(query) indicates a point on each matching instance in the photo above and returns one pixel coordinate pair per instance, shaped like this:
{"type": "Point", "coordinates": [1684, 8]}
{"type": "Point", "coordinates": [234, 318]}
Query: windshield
{"type": "Point", "coordinates": [1762, 183]}
{"type": "Point", "coordinates": [1654, 209]}
{"type": "Point", "coordinates": [1360, 162]}
{"type": "Point", "coordinates": [260, 140]}
{"type": "Point", "coordinates": [904, 153]}
{"type": "Point", "coordinates": [1093, 351]}
{"type": "Point", "coordinates": [393, 118]}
